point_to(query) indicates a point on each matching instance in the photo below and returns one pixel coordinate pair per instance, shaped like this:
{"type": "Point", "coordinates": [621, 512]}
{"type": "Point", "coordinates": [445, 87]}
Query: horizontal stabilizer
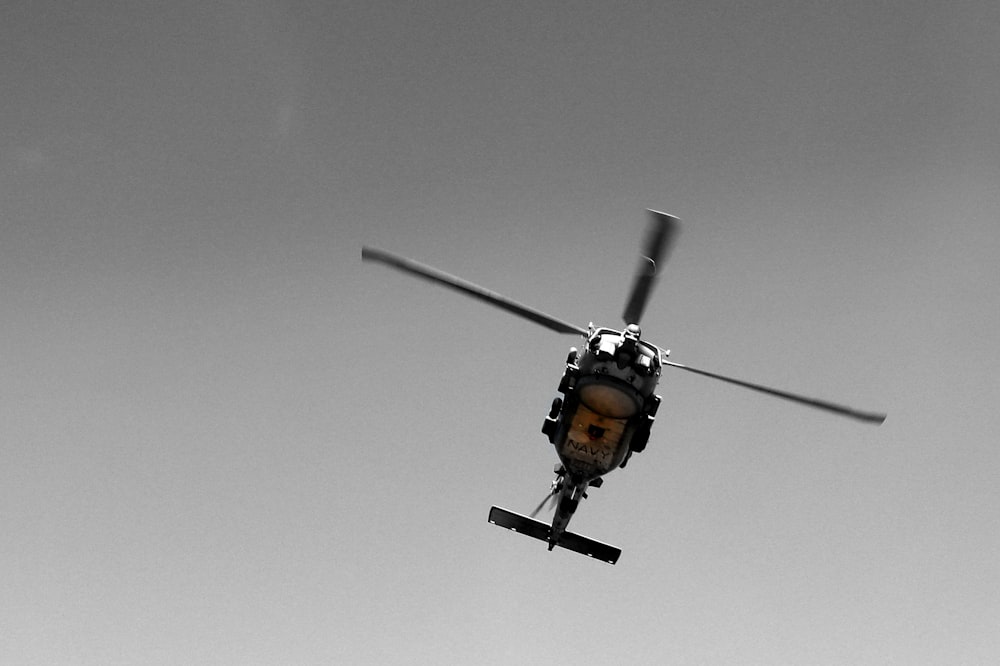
{"type": "Point", "coordinates": [539, 530]}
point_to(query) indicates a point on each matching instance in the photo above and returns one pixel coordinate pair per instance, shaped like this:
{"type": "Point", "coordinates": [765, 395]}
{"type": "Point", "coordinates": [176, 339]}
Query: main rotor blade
{"type": "Point", "coordinates": [869, 417]}
{"type": "Point", "coordinates": [663, 230]}
{"type": "Point", "coordinates": [474, 290]}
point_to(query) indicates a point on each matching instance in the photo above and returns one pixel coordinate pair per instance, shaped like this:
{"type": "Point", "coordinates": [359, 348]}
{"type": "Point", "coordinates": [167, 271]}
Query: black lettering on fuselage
{"type": "Point", "coordinates": [583, 447]}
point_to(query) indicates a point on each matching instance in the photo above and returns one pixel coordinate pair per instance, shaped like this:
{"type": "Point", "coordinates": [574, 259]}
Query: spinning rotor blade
{"type": "Point", "coordinates": [663, 229]}
{"type": "Point", "coordinates": [869, 417]}
{"type": "Point", "coordinates": [474, 290]}
{"type": "Point", "coordinates": [550, 497]}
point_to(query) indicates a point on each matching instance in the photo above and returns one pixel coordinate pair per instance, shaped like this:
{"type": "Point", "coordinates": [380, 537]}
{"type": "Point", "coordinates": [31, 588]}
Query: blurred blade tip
{"type": "Point", "coordinates": [660, 213]}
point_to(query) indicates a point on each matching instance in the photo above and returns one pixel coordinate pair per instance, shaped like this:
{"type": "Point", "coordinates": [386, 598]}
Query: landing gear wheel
{"type": "Point", "coordinates": [556, 408]}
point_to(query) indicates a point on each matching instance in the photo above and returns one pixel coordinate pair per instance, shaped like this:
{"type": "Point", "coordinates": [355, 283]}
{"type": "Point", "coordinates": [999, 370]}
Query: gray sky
{"type": "Point", "coordinates": [226, 440]}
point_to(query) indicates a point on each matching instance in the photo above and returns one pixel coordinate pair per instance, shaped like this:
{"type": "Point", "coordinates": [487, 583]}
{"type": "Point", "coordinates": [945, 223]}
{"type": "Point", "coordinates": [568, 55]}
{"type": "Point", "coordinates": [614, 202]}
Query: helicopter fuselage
{"type": "Point", "coordinates": [608, 405]}
{"type": "Point", "coordinates": [605, 415]}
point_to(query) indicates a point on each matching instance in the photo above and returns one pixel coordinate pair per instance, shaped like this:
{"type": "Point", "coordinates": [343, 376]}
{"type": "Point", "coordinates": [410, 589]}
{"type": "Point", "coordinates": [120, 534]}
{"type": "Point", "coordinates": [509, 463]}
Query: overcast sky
{"type": "Point", "coordinates": [226, 440]}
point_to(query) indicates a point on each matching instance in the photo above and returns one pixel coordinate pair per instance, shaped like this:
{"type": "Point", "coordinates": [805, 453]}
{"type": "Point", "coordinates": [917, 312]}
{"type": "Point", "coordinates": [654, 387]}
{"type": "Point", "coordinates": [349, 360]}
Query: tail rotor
{"type": "Point", "coordinates": [550, 499]}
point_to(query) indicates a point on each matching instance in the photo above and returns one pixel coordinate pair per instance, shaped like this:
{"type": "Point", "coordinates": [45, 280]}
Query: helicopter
{"type": "Point", "coordinates": [607, 403]}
